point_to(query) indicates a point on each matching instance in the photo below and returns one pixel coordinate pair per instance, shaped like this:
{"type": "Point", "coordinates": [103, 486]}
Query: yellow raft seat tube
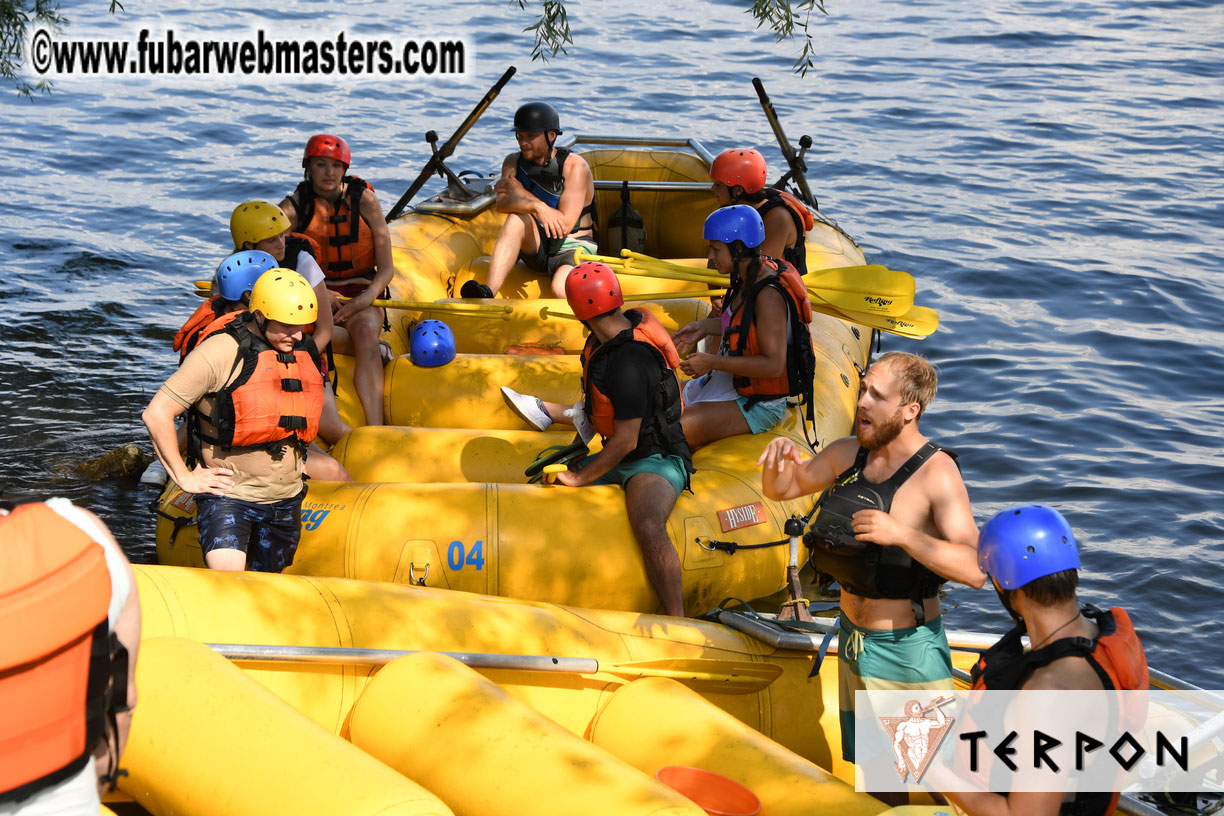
{"type": "Point", "coordinates": [465, 392]}
{"type": "Point", "coordinates": [487, 754]}
{"type": "Point", "coordinates": [206, 739]}
{"type": "Point", "coordinates": [685, 729]}
{"type": "Point", "coordinates": [386, 453]}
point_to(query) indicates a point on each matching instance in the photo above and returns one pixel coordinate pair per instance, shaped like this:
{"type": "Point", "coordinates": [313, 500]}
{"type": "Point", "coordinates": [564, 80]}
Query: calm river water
{"type": "Point", "coordinates": [1049, 171]}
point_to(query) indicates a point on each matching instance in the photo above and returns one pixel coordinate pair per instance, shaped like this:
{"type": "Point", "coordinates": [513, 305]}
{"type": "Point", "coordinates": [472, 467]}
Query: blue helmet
{"type": "Point", "coordinates": [1024, 543]}
{"type": "Point", "coordinates": [237, 274]}
{"type": "Point", "coordinates": [736, 223]}
{"type": "Point", "coordinates": [433, 343]}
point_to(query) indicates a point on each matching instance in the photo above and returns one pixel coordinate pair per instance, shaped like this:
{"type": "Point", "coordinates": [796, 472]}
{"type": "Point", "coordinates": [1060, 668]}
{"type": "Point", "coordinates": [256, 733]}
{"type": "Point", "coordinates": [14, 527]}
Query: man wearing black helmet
{"type": "Point", "coordinates": [548, 195]}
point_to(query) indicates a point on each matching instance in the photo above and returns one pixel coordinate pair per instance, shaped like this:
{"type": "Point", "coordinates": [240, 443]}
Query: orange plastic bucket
{"type": "Point", "coordinates": [714, 793]}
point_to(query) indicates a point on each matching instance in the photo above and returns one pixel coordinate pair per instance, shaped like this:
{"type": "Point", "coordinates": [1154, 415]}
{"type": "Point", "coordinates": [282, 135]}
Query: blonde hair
{"type": "Point", "coordinates": [919, 380]}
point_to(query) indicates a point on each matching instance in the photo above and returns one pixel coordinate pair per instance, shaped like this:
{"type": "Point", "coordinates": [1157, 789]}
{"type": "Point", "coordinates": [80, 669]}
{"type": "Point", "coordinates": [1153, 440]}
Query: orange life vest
{"type": "Point", "coordinates": [189, 335]}
{"type": "Point", "coordinates": [1115, 654]}
{"type": "Point", "coordinates": [56, 655]}
{"type": "Point", "coordinates": [345, 240]}
{"type": "Point", "coordinates": [276, 398]}
{"type": "Point", "coordinates": [646, 330]}
{"type": "Point", "coordinates": [741, 337]}
{"type": "Point", "coordinates": [217, 325]}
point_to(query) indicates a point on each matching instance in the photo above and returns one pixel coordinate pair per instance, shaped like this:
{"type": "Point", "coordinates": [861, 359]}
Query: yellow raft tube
{"type": "Point", "coordinates": [645, 692]}
{"type": "Point", "coordinates": [440, 498]}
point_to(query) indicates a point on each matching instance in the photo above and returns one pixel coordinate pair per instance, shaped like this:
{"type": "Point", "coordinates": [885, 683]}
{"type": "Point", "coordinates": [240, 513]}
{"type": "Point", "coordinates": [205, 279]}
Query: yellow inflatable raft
{"type": "Point", "coordinates": [440, 498]}
{"type": "Point", "coordinates": [557, 701]}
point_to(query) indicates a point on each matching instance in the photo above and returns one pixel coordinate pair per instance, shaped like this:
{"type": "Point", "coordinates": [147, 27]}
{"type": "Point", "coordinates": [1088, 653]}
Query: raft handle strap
{"type": "Point", "coordinates": [731, 547]}
{"type": "Point", "coordinates": [179, 522]}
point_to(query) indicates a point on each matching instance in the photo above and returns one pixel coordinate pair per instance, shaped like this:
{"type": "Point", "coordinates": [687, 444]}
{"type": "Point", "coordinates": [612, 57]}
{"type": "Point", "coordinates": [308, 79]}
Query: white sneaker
{"type": "Point", "coordinates": [529, 409]}
{"type": "Point", "coordinates": [155, 474]}
{"type": "Point", "coordinates": [582, 423]}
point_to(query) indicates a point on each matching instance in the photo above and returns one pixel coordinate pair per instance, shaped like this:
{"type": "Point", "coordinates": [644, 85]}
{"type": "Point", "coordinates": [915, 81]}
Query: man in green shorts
{"type": "Point", "coordinates": [632, 399]}
{"type": "Point", "coordinates": [548, 195]}
{"type": "Point", "coordinates": [894, 524]}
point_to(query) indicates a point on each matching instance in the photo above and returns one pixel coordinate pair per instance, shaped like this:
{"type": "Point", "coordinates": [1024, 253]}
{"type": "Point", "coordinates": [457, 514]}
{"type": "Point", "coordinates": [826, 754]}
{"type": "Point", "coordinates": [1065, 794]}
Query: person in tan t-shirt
{"type": "Point", "coordinates": [247, 473]}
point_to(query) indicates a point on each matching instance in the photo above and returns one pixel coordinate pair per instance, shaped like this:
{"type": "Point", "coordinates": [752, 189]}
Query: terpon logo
{"type": "Point", "coordinates": [746, 515]}
{"type": "Point", "coordinates": [915, 737]}
{"type": "Point", "coordinates": [876, 300]}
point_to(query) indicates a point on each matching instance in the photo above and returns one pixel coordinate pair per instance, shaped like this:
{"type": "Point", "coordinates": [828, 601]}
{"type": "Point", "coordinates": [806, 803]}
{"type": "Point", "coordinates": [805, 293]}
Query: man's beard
{"type": "Point", "coordinates": [879, 434]}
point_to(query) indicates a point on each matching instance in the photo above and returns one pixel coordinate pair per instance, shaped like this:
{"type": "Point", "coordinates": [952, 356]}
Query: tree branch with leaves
{"type": "Point", "coordinates": [784, 17]}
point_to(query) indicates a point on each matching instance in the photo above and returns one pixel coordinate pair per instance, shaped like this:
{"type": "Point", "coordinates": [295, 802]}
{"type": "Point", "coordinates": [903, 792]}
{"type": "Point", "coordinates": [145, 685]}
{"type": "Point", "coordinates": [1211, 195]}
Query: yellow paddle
{"type": "Point", "coordinates": [918, 322]}
{"type": "Point", "coordinates": [546, 313]}
{"type": "Point", "coordinates": [699, 293]}
{"type": "Point", "coordinates": [873, 288]}
{"type": "Point", "coordinates": [701, 674]}
{"type": "Point", "coordinates": [475, 309]}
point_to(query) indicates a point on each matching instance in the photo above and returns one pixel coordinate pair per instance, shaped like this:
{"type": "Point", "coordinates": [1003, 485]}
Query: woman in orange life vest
{"type": "Point", "coordinates": [1029, 553]}
{"type": "Point", "coordinates": [739, 177]}
{"type": "Point", "coordinates": [264, 226]}
{"type": "Point", "coordinates": [254, 393]}
{"type": "Point", "coordinates": [342, 214]}
{"type": "Point", "coordinates": [71, 621]}
{"type": "Point", "coordinates": [743, 388]}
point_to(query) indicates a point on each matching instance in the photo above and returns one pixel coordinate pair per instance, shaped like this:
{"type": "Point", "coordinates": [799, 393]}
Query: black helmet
{"type": "Point", "coordinates": [536, 117]}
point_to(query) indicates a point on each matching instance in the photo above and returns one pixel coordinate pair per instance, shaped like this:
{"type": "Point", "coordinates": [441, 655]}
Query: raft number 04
{"type": "Point", "coordinates": [455, 556]}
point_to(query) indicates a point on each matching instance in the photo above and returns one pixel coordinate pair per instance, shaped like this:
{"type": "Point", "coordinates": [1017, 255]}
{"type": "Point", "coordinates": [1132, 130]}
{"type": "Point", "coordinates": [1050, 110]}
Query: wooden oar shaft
{"type": "Point", "coordinates": [444, 152]}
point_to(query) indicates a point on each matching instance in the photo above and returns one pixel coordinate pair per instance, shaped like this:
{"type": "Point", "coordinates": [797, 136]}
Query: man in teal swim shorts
{"type": "Point", "coordinates": [632, 399]}
{"type": "Point", "coordinates": [894, 524]}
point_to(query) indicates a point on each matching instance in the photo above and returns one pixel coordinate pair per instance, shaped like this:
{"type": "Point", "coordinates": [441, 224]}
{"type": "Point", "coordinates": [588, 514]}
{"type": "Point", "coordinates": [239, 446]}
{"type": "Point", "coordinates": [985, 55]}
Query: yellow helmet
{"type": "Point", "coordinates": [284, 296]}
{"type": "Point", "coordinates": [256, 220]}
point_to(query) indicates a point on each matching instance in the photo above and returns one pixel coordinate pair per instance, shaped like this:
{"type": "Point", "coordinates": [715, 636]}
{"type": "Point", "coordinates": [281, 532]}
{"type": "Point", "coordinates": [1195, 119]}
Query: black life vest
{"type": "Point", "coordinates": [1115, 654]}
{"type": "Point", "coordinates": [295, 245]}
{"type": "Point", "coordinates": [547, 182]}
{"type": "Point", "coordinates": [796, 253]}
{"type": "Point", "coordinates": [660, 430]}
{"type": "Point", "coordinates": [864, 568]}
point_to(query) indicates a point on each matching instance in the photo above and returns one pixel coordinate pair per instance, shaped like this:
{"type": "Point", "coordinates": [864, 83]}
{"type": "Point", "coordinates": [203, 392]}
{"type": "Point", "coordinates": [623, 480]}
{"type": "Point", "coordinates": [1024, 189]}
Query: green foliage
{"type": "Point", "coordinates": [17, 17]}
{"type": "Point", "coordinates": [552, 30]}
{"type": "Point", "coordinates": [784, 17]}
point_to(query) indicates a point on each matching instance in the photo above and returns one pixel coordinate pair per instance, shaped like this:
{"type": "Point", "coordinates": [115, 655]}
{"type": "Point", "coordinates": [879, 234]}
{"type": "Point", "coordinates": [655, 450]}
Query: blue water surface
{"type": "Point", "coordinates": [1050, 172]}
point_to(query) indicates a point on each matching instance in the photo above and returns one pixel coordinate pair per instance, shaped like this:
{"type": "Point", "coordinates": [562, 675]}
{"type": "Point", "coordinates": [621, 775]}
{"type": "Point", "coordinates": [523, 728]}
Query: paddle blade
{"type": "Point", "coordinates": [872, 288]}
{"type": "Point", "coordinates": [863, 302]}
{"type": "Point", "coordinates": [918, 322]}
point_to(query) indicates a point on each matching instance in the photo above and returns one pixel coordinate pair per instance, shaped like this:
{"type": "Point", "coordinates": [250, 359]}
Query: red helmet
{"type": "Point", "coordinates": [592, 289]}
{"type": "Point", "coordinates": [329, 147]}
{"type": "Point", "coordinates": [743, 167]}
